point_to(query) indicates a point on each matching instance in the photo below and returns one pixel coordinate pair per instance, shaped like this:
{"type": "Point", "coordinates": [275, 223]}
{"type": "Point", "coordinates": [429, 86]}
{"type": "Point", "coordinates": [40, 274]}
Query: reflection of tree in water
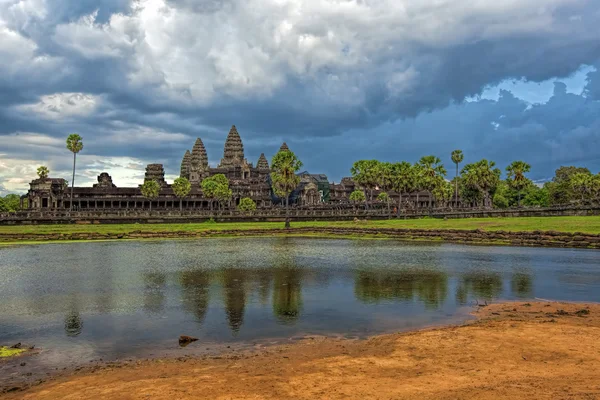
{"type": "Point", "coordinates": [195, 293]}
{"type": "Point", "coordinates": [481, 284]}
{"type": "Point", "coordinates": [154, 296]}
{"type": "Point", "coordinates": [235, 297]}
{"type": "Point", "coordinates": [73, 323]}
{"type": "Point", "coordinates": [429, 286]}
{"type": "Point", "coordinates": [287, 294]}
{"type": "Point", "coordinates": [521, 284]}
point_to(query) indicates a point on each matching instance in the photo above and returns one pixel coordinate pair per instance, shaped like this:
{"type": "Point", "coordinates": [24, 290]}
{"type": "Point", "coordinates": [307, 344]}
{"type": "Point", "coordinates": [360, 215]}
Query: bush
{"type": "Point", "coordinates": [247, 205]}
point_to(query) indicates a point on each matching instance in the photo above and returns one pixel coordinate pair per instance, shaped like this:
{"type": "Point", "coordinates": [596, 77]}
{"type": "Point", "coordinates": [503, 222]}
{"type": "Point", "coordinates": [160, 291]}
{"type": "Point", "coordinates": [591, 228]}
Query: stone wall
{"type": "Point", "coordinates": [535, 238]}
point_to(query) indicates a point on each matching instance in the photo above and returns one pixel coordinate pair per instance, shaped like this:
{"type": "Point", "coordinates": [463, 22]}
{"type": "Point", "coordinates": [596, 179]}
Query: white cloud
{"type": "Point", "coordinates": [63, 105]}
{"type": "Point", "coordinates": [251, 48]}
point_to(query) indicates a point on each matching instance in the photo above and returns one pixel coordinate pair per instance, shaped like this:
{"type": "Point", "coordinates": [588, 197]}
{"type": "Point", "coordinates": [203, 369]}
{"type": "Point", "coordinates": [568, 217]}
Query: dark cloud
{"type": "Point", "coordinates": [337, 84]}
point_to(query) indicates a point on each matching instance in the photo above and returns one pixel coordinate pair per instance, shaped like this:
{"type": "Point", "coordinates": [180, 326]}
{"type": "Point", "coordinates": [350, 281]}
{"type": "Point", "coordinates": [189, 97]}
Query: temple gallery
{"type": "Point", "coordinates": [245, 180]}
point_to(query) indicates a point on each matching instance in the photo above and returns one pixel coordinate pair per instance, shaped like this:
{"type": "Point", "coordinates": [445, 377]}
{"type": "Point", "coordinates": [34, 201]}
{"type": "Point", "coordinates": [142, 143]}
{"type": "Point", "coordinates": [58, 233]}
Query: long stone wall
{"type": "Point", "coordinates": [535, 238]}
{"type": "Point", "coordinates": [274, 214]}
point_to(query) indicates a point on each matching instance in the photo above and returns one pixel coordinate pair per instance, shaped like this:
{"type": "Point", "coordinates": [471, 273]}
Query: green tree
{"type": "Point", "coordinates": [150, 190]}
{"type": "Point", "coordinates": [247, 205]}
{"type": "Point", "coordinates": [442, 191]}
{"type": "Point", "coordinates": [384, 198]}
{"type": "Point", "coordinates": [402, 180]}
{"type": "Point", "coordinates": [216, 187]}
{"type": "Point", "coordinates": [357, 196]}
{"type": "Point", "coordinates": [182, 188]}
{"type": "Point", "coordinates": [536, 196]}
{"type": "Point", "coordinates": [284, 167]}
{"type": "Point", "coordinates": [560, 189]}
{"type": "Point", "coordinates": [457, 157]}
{"type": "Point", "coordinates": [583, 185]}
{"type": "Point", "coordinates": [43, 172]}
{"type": "Point", "coordinates": [209, 189]}
{"type": "Point", "coordinates": [483, 177]}
{"type": "Point", "coordinates": [431, 170]}
{"type": "Point", "coordinates": [74, 145]}
{"type": "Point", "coordinates": [365, 174]}
{"type": "Point", "coordinates": [516, 177]}
{"type": "Point", "coordinates": [223, 195]}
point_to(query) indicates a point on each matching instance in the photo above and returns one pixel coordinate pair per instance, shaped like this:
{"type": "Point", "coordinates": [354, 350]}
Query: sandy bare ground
{"type": "Point", "coordinates": [514, 351]}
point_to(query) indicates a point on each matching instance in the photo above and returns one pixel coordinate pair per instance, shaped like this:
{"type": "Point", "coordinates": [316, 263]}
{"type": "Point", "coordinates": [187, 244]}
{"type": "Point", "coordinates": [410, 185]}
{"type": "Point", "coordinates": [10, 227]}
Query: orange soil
{"type": "Point", "coordinates": [514, 350]}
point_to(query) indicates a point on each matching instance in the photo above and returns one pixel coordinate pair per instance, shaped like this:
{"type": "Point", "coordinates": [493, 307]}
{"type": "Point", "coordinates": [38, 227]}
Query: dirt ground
{"type": "Point", "coordinates": [513, 351]}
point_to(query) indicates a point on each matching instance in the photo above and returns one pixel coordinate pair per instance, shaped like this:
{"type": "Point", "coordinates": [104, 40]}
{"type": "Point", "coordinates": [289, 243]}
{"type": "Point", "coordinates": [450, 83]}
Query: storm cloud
{"type": "Point", "coordinates": [338, 80]}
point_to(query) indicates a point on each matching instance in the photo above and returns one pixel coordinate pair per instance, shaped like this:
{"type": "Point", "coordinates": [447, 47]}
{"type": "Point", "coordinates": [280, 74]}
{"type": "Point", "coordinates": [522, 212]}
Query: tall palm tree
{"type": "Point", "coordinates": [483, 177]}
{"type": "Point", "coordinates": [432, 168]}
{"type": "Point", "coordinates": [284, 166]}
{"type": "Point", "coordinates": [457, 158]}
{"type": "Point", "coordinates": [403, 180]}
{"type": "Point", "coordinates": [75, 145]}
{"type": "Point", "coordinates": [365, 174]}
{"type": "Point", "coordinates": [515, 173]}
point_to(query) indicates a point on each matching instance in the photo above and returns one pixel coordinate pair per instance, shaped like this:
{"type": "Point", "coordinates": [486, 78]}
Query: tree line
{"type": "Point", "coordinates": [476, 184]}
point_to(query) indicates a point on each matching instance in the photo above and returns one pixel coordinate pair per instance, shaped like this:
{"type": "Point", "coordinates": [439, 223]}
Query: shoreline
{"type": "Point", "coordinates": [458, 236]}
{"type": "Point", "coordinates": [512, 350]}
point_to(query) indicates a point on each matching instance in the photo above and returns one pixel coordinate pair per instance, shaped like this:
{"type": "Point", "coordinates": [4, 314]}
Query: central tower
{"type": "Point", "coordinates": [233, 154]}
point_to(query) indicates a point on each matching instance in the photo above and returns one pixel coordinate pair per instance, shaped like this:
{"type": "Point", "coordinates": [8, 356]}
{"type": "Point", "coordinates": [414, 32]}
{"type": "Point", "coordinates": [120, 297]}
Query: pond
{"type": "Point", "coordinates": [85, 301]}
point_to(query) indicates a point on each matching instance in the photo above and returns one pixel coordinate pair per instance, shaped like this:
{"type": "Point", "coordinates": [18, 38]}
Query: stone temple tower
{"type": "Point", "coordinates": [186, 165]}
{"type": "Point", "coordinates": [198, 162]}
{"type": "Point", "coordinates": [262, 162]}
{"type": "Point", "coordinates": [233, 154]}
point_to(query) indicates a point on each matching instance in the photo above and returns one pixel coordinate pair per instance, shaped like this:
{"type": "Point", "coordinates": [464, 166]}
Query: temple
{"type": "Point", "coordinates": [245, 180]}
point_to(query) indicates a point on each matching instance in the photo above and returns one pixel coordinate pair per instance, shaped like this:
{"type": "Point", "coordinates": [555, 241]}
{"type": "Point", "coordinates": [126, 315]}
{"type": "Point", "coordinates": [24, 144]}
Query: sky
{"type": "Point", "coordinates": [338, 80]}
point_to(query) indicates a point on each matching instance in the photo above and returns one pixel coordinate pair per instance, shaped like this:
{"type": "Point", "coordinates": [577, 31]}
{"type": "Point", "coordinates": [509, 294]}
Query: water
{"type": "Point", "coordinates": [84, 301]}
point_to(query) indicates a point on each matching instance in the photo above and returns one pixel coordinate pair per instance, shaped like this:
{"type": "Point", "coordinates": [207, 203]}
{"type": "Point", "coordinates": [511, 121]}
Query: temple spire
{"type": "Point", "coordinates": [185, 165]}
{"type": "Point", "coordinates": [199, 158]}
{"type": "Point", "coordinates": [262, 162]}
{"type": "Point", "coordinates": [284, 147]}
{"type": "Point", "coordinates": [233, 153]}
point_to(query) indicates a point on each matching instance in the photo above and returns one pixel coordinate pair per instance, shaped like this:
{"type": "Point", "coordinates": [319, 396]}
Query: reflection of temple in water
{"type": "Point", "coordinates": [195, 292]}
{"type": "Point", "coordinates": [235, 297]}
{"type": "Point", "coordinates": [73, 323]}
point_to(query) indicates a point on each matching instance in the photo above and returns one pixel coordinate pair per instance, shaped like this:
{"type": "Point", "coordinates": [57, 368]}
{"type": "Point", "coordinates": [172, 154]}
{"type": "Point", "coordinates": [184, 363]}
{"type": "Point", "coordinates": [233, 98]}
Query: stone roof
{"type": "Point", "coordinates": [199, 158]}
{"type": "Point", "coordinates": [284, 147]}
{"type": "Point", "coordinates": [233, 153]}
{"type": "Point", "coordinates": [262, 162]}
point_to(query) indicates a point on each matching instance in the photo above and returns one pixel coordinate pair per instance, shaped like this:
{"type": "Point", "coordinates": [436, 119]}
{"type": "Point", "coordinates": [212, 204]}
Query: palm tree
{"type": "Point", "coordinates": [403, 180]}
{"type": "Point", "coordinates": [43, 172]}
{"type": "Point", "coordinates": [515, 173]}
{"type": "Point", "coordinates": [75, 145]}
{"type": "Point", "coordinates": [284, 166]}
{"type": "Point", "coordinates": [365, 174]}
{"type": "Point", "coordinates": [483, 177]}
{"type": "Point", "coordinates": [357, 196]}
{"type": "Point", "coordinates": [181, 187]}
{"type": "Point", "coordinates": [457, 158]}
{"type": "Point", "coordinates": [150, 190]}
{"type": "Point", "coordinates": [432, 168]}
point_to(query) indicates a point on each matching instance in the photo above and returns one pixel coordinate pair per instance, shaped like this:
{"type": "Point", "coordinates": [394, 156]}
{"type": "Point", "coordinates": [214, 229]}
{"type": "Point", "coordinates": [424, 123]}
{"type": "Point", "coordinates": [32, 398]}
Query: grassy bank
{"type": "Point", "coordinates": [589, 224]}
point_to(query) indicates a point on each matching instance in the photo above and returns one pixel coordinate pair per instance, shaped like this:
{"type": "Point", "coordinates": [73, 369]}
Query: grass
{"type": "Point", "coordinates": [587, 224]}
{"type": "Point", "coordinates": [6, 352]}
